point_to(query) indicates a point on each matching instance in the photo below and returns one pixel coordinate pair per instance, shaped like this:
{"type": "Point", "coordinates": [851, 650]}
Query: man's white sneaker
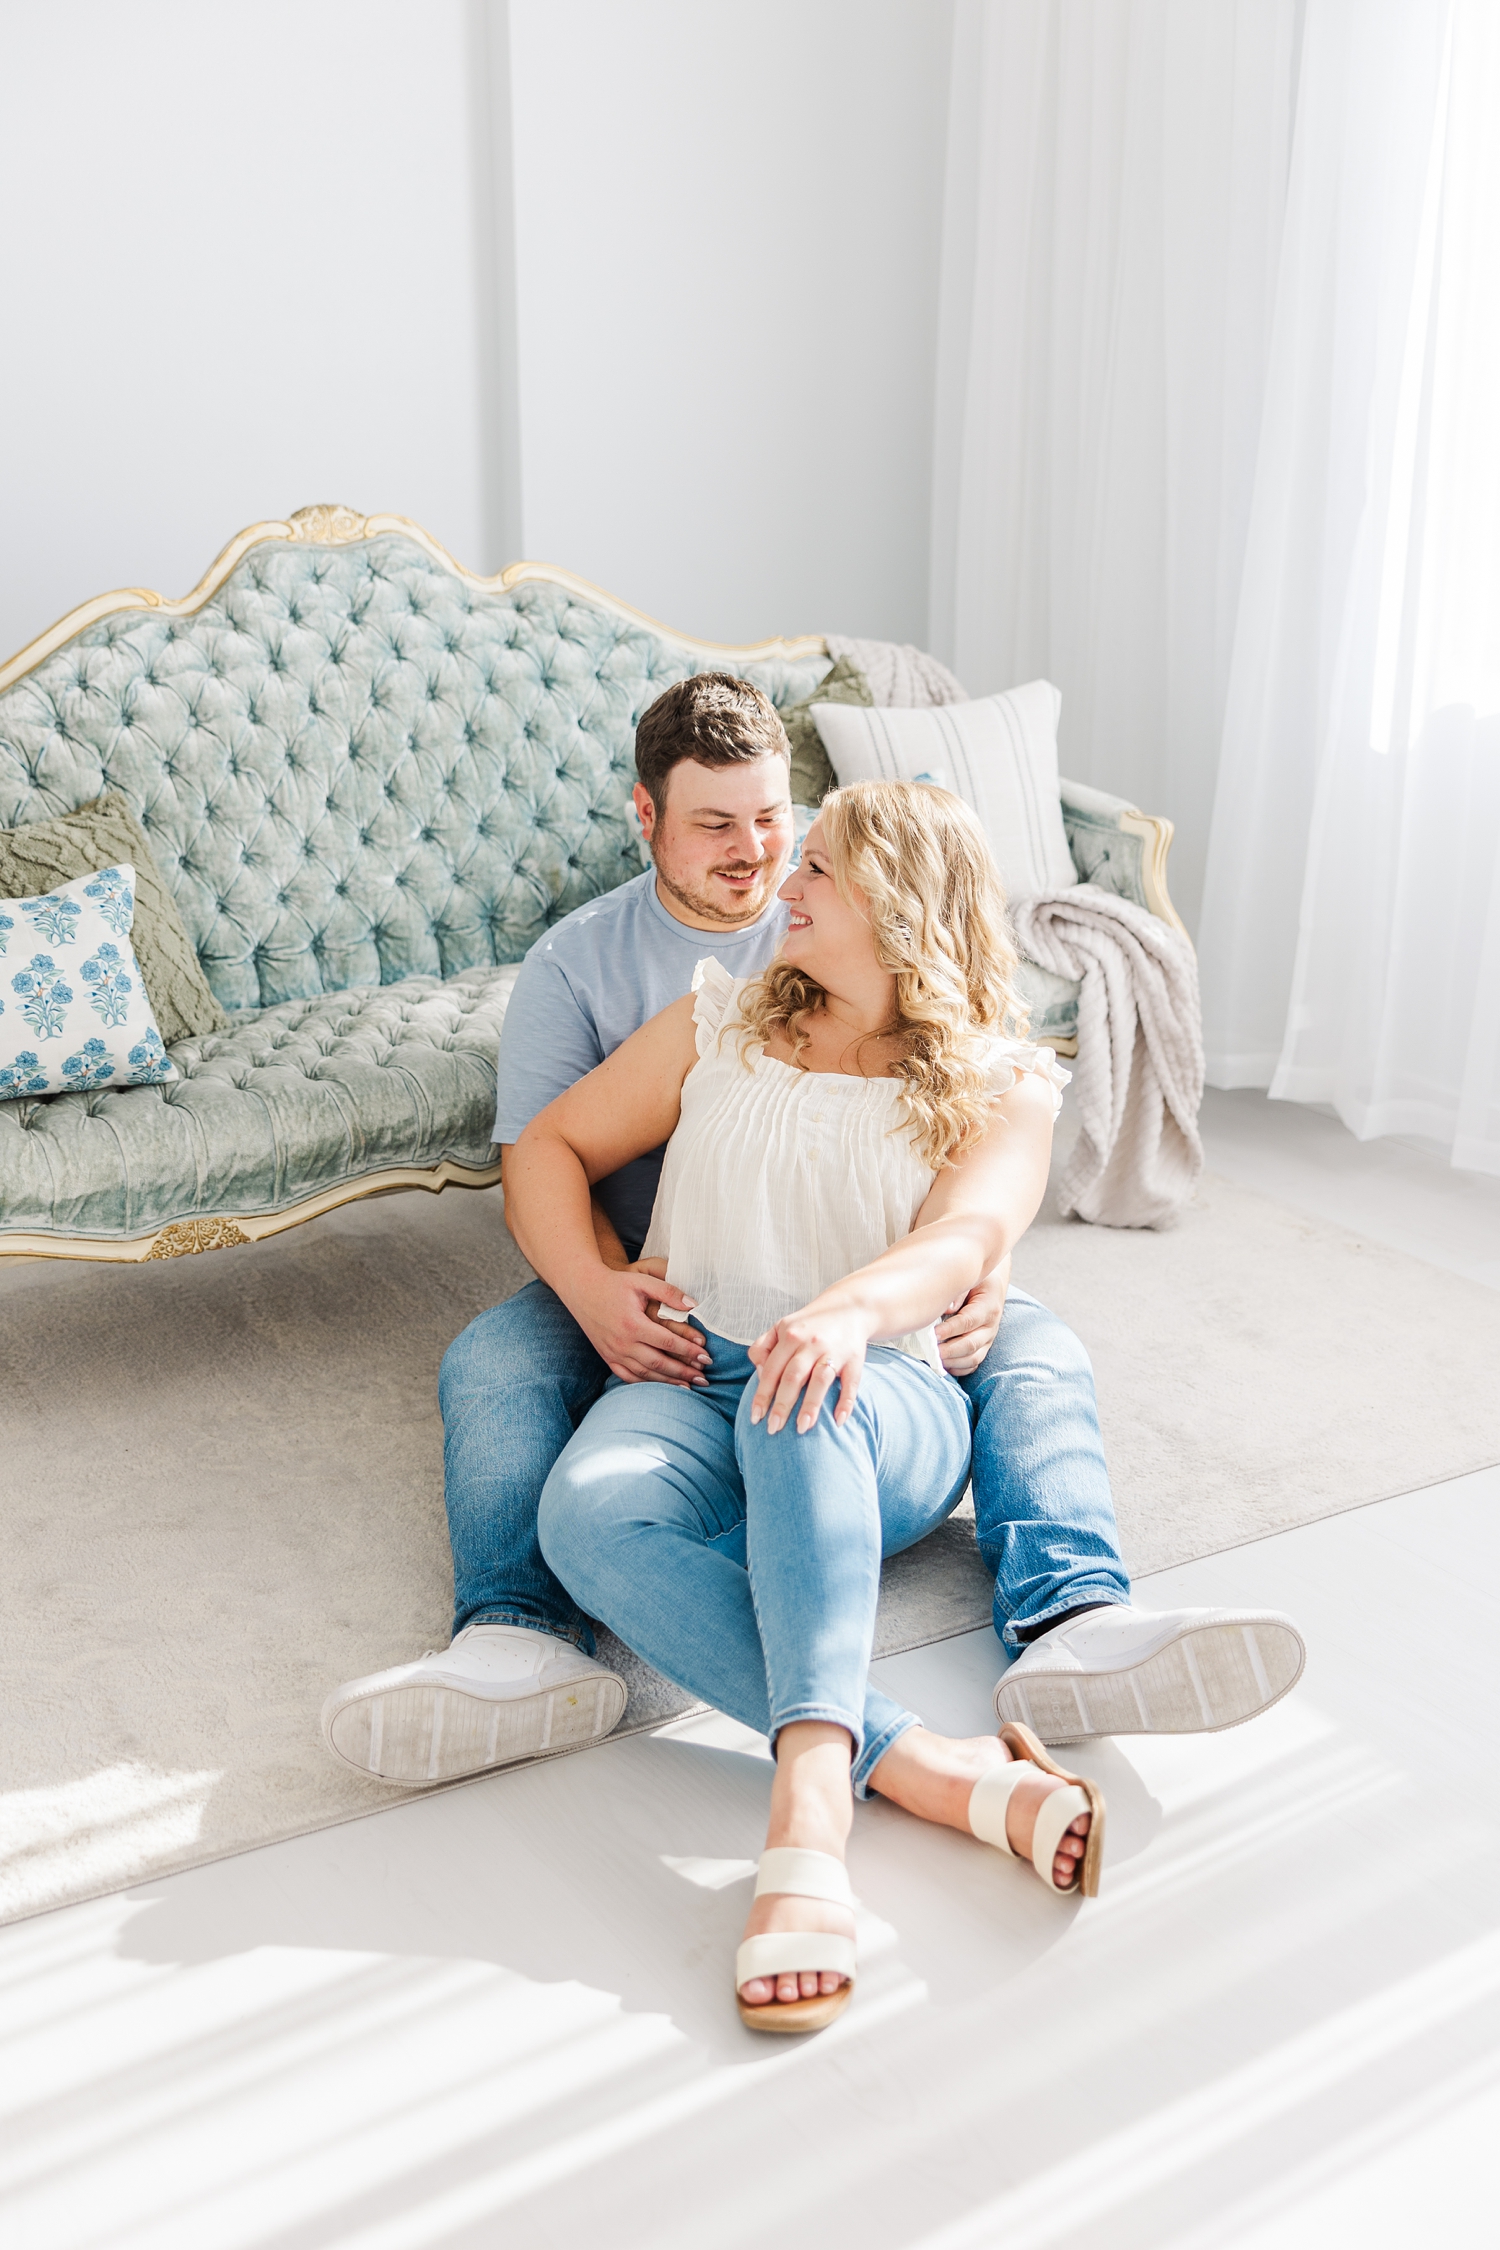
{"type": "Point", "coordinates": [501, 1692]}
{"type": "Point", "coordinates": [1120, 1670]}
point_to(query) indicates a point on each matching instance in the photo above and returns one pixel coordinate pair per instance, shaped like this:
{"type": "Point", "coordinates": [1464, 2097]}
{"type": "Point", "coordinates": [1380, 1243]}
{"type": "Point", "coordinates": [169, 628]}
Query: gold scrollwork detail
{"type": "Point", "coordinates": [327, 525]}
{"type": "Point", "coordinates": [186, 1237]}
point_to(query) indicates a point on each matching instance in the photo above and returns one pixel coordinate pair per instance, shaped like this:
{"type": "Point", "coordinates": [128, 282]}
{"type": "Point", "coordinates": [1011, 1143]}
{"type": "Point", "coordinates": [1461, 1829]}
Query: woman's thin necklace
{"type": "Point", "coordinates": [855, 1045]}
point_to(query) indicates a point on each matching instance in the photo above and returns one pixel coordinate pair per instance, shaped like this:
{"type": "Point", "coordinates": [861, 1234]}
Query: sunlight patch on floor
{"type": "Point", "coordinates": [98, 1829]}
{"type": "Point", "coordinates": [1099, 2179]}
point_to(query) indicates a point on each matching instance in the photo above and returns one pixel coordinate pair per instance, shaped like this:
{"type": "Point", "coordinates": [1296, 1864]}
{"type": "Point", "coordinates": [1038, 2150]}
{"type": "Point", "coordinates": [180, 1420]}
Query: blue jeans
{"type": "Point", "coordinates": [746, 1566]}
{"type": "Point", "coordinates": [519, 1380]}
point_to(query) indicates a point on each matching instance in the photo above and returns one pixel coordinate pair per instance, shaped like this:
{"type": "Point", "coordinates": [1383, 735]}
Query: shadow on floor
{"type": "Point", "coordinates": [628, 1872]}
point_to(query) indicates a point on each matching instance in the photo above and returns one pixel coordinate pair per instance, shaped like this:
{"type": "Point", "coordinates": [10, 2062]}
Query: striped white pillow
{"type": "Point", "coordinates": [999, 755]}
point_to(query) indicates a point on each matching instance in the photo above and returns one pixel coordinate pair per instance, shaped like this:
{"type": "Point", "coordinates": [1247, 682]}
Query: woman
{"type": "Point", "coordinates": [853, 1142]}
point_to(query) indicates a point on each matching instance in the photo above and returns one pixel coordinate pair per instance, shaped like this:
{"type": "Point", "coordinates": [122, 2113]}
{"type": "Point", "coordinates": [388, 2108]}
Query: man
{"type": "Point", "coordinates": [520, 1677]}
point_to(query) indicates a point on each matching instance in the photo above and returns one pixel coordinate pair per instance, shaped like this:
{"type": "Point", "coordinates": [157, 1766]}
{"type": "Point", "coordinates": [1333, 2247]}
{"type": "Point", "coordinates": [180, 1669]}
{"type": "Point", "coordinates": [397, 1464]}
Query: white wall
{"type": "Point", "coordinates": [242, 272]}
{"type": "Point", "coordinates": [728, 221]}
{"type": "Point", "coordinates": [265, 252]}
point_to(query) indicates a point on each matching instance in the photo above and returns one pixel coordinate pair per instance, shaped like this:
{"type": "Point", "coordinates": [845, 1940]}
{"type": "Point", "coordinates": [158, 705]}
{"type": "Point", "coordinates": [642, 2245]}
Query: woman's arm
{"type": "Point", "coordinates": [977, 1212]}
{"type": "Point", "coordinates": [625, 1108]}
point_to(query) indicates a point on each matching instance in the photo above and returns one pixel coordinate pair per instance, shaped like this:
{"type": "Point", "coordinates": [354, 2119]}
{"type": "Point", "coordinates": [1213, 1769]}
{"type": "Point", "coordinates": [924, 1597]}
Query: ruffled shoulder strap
{"type": "Point", "coordinates": [1011, 1058]}
{"type": "Point", "coordinates": [715, 993]}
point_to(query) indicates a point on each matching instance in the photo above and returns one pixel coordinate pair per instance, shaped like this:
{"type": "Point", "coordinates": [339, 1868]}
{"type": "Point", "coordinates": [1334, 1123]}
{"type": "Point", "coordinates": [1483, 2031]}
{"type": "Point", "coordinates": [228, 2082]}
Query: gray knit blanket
{"type": "Point", "coordinates": [901, 677]}
{"type": "Point", "coordinates": [1138, 1074]}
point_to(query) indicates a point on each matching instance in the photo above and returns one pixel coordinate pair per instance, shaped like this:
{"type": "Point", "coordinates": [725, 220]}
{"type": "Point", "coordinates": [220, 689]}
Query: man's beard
{"type": "Point", "coordinates": [699, 902]}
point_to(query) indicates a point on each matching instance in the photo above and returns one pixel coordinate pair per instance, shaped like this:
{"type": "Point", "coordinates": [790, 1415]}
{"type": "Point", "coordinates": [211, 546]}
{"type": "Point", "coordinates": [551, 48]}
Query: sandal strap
{"type": "Point", "coordinates": [989, 1799]}
{"type": "Point", "coordinates": [1058, 1812]}
{"type": "Point", "coordinates": [803, 1874]}
{"type": "Point", "coordinates": [790, 1952]}
{"type": "Point", "coordinates": [988, 1804]}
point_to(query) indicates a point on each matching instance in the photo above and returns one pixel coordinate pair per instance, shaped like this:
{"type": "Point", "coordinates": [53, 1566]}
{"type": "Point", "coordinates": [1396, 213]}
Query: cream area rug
{"type": "Point", "coordinates": [222, 1484]}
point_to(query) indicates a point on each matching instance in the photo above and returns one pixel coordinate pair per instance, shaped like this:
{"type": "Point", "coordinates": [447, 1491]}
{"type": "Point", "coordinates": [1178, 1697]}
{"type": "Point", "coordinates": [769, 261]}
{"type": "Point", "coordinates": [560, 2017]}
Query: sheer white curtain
{"type": "Point", "coordinates": [1218, 451]}
{"type": "Point", "coordinates": [1350, 940]}
{"type": "Point", "coordinates": [1117, 176]}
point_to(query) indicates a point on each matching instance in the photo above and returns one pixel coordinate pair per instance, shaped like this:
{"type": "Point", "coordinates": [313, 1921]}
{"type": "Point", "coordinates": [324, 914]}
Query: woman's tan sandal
{"type": "Point", "coordinates": [991, 1799]}
{"type": "Point", "coordinates": [779, 1953]}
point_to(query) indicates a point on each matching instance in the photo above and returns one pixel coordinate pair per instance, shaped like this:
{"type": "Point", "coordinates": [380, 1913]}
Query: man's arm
{"type": "Point", "coordinates": [626, 1107]}
{"type": "Point", "coordinates": [547, 1043]}
{"type": "Point", "coordinates": [611, 1248]}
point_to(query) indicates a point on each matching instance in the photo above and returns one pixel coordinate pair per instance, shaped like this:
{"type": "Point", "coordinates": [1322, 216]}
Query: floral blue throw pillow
{"type": "Point", "coordinates": [73, 1009]}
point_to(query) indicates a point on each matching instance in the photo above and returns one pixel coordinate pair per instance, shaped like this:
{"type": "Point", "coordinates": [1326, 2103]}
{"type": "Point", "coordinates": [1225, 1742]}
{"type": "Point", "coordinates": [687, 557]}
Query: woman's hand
{"type": "Point", "coordinates": [809, 1351]}
{"type": "Point", "coordinates": [614, 1310]}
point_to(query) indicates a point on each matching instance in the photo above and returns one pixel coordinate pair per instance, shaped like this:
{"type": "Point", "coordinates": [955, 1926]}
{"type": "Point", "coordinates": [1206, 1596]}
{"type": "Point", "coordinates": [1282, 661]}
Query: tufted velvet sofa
{"type": "Point", "coordinates": [370, 781]}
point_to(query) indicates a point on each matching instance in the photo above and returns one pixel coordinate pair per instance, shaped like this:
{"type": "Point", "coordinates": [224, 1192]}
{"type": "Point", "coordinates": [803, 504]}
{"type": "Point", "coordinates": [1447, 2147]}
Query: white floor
{"type": "Point", "coordinates": [503, 2015]}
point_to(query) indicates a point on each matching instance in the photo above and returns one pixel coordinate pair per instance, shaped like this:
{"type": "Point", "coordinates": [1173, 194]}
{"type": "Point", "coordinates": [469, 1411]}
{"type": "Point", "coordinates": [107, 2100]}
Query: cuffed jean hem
{"type": "Point", "coordinates": [578, 1636]}
{"type": "Point", "coordinates": [818, 1715]}
{"type": "Point", "coordinates": [1078, 1594]}
{"type": "Point", "coordinates": [875, 1749]}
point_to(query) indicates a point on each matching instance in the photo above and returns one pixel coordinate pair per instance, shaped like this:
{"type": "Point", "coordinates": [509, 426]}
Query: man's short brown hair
{"type": "Point", "coordinates": [713, 718]}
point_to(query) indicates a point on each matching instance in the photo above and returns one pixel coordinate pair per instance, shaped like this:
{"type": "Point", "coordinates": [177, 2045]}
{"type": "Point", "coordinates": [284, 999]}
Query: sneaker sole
{"type": "Point", "coordinates": [423, 1733]}
{"type": "Point", "coordinates": [1210, 1677]}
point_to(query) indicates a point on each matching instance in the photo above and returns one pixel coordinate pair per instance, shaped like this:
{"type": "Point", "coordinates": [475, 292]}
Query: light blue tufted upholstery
{"type": "Point", "coordinates": [356, 769]}
{"type": "Point", "coordinates": [354, 766]}
{"type": "Point", "coordinates": [1051, 1001]}
{"type": "Point", "coordinates": [288, 1102]}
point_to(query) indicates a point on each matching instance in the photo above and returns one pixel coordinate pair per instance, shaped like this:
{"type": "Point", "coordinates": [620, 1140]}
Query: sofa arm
{"type": "Point", "coordinates": [1120, 848]}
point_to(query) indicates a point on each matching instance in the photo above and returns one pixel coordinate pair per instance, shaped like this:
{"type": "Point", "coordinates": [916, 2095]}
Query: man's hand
{"type": "Point", "coordinates": [683, 1330]}
{"type": "Point", "coordinates": [970, 1326]}
{"type": "Point", "coordinates": [615, 1312]}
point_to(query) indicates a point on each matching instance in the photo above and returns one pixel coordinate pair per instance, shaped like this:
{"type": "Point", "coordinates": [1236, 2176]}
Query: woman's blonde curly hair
{"type": "Point", "coordinates": [913, 859]}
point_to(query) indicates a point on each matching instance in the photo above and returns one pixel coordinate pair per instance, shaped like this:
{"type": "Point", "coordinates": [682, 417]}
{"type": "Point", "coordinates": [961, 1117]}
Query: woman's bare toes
{"type": "Point", "coordinates": [806, 1984]}
{"type": "Point", "coordinates": [777, 1911]}
{"type": "Point", "coordinates": [1070, 1850]}
{"type": "Point", "coordinates": [1020, 1826]}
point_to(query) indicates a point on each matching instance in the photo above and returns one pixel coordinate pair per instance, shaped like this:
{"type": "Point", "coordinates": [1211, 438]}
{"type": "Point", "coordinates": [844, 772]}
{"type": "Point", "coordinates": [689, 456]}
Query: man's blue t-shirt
{"type": "Point", "coordinates": [596, 977]}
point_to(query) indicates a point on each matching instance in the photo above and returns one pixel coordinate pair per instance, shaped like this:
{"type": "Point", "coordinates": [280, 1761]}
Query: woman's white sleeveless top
{"type": "Point", "coordinates": [779, 1181]}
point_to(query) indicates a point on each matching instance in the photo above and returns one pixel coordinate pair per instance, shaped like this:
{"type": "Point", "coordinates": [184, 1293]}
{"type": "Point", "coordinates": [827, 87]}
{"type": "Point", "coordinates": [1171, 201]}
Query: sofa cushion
{"type": "Point", "coordinates": [100, 835]}
{"type": "Point", "coordinates": [999, 754]}
{"type": "Point", "coordinates": [75, 1014]}
{"type": "Point", "coordinates": [288, 1102]}
{"type": "Point", "coordinates": [812, 775]}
